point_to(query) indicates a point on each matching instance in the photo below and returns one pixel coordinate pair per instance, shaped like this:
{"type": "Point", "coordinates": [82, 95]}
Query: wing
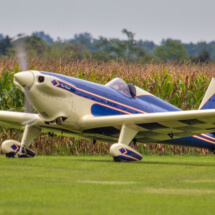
{"type": "Point", "coordinates": [153, 127]}
{"type": "Point", "coordinates": [158, 126]}
{"type": "Point", "coordinates": [18, 120]}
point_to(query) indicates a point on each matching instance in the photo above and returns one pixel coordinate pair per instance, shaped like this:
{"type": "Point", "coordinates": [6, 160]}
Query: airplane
{"type": "Point", "coordinates": [116, 112]}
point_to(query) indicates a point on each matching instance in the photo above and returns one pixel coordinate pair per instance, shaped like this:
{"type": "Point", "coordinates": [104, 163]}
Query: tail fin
{"type": "Point", "coordinates": [208, 102]}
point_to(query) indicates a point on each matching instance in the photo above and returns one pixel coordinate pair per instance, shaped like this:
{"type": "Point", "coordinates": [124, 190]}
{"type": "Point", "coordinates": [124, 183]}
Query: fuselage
{"type": "Point", "coordinates": [62, 96]}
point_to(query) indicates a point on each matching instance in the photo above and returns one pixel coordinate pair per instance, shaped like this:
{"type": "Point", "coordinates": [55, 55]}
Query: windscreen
{"type": "Point", "coordinates": [120, 85]}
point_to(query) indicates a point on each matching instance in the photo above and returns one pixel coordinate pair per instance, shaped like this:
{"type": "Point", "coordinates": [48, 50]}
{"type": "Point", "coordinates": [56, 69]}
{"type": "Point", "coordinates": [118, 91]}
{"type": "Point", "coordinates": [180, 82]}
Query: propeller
{"type": "Point", "coordinates": [19, 44]}
{"type": "Point", "coordinates": [20, 48]}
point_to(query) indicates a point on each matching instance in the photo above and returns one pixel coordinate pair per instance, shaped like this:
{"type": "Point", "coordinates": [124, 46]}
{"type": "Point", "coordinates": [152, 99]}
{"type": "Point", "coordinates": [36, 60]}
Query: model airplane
{"type": "Point", "coordinates": [116, 112]}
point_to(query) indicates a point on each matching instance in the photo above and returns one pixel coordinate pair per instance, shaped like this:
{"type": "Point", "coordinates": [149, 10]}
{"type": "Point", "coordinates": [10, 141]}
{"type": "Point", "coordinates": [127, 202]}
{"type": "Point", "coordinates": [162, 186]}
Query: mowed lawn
{"type": "Point", "coordinates": [97, 185]}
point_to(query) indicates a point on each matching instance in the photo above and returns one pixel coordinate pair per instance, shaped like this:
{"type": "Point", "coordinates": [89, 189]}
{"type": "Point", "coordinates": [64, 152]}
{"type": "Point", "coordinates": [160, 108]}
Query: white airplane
{"type": "Point", "coordinates": [116, 112]}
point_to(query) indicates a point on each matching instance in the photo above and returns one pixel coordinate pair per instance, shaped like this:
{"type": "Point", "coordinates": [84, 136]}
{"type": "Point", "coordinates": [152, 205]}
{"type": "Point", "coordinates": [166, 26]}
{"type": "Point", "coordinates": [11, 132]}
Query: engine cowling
{"type": "Point", "coordinates": [122, 152]}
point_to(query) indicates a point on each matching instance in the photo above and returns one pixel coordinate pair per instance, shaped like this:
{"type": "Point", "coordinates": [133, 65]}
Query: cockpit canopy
{"type": "Point", "coordinates": [120, 85]}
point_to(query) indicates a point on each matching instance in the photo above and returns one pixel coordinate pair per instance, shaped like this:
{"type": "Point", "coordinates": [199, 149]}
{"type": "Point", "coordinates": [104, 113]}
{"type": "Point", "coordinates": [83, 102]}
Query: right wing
{"type": "Point", "coordinates": [156, 126]}
{"type": "Point", "coordinates": [18, 120]}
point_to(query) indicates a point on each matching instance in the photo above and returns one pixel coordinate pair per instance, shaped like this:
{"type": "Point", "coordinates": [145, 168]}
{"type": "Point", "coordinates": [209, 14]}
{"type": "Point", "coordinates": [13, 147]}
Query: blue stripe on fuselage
{"type": "Point", "coordinates": [141, 104]}
{"type": "Point", "coordinates": [102, 91]}
{"type": "Point", "coordinates": [99, 110]}
{"type": "Point", "coordinates": [199, 141]}
{"type": "Point", "coordinates": [87, 95]}
{"type": "Point", "coordinates": [157, 104]}
{"type": "Point", "coordinates": [144, 103]}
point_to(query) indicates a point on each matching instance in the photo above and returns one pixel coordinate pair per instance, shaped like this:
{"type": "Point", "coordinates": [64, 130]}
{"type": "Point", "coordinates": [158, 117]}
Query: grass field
{"type": "Point", "coordinates": [96, 185]}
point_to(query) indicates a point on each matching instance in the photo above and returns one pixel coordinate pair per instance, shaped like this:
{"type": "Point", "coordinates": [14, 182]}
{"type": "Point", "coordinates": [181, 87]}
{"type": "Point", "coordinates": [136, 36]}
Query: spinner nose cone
{"type": "Point", "coordinates": [25, 79]}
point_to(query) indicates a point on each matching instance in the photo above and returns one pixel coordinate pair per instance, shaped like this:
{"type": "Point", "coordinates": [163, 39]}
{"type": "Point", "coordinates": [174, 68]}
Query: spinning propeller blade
{"type": "Point", "coordinates": [24, 76]}
{"type": "Point", "coordinates": [21, 54]}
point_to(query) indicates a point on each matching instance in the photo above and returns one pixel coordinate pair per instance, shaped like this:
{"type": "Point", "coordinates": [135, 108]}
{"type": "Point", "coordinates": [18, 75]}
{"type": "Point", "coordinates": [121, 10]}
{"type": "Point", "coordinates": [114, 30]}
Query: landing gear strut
{"type": "Point", "coordinates": [120, 151]}
{"type": "Point", "coordinates": [28, 137]}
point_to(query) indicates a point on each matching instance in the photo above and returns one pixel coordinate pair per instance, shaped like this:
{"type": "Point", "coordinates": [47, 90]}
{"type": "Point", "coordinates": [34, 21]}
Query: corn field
{"type": "Point", "coordinates": [182, 85]}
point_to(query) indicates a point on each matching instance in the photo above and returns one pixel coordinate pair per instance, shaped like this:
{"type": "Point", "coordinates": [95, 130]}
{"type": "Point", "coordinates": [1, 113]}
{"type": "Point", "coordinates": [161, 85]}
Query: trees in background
{"type": "Point", "coordinates": [85, 39]}
{"type": "Point", "coordinates": [104, 49]}
{"type": "Point", "coordinates": [121, 49]}
{"type": "Point", "coordinates": [1, 37]}
{"type": "Point", "coordinates": [35, 46]}
{"type": "Point", "coordinates": [148, 46]}
{"type": "Point", "coordinates": [5, 45]}
{"type": "Point", "coordinates": [43, 36]}
{"type": "Point", "coordinates": [196, 49]}
{"type": "Point", "coordinates": [203, 57]}
{"type": "Point", "coordinates": [171, 50]}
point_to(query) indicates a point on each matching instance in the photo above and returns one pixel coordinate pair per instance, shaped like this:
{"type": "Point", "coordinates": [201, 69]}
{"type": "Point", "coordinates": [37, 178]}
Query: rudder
{"type": "Point", "coordinates": [208, 102]}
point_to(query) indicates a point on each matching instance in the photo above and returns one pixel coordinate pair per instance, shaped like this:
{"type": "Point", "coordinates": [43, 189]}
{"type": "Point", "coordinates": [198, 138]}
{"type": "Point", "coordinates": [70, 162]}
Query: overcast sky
{"type": "Point", "coordinates": [186, 20]}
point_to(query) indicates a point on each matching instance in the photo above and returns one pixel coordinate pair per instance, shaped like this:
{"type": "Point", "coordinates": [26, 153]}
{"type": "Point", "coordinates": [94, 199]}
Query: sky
{"type": "Point", "coordinates": [154, 20]}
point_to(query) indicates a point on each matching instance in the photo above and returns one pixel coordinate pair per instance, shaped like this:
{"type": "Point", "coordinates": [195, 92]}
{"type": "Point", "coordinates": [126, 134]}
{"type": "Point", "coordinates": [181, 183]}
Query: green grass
{"type": "Point", "coordinates": [96, 185]}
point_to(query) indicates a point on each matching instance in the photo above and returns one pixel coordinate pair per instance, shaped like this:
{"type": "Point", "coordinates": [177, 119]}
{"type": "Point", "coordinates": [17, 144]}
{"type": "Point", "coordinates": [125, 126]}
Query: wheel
{"type": "Point", "coordinates": [117, 159]}
{"type": "Point", "coordinates": [26, 153]}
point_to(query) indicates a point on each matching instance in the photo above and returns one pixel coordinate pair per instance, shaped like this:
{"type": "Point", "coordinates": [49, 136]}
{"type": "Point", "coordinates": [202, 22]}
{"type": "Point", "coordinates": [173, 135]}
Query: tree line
{"type": "Point", "coordinates": [104, 49]}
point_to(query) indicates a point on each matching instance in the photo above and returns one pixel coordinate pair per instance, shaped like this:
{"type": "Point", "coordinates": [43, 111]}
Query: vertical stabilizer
{"type": "Point", "coordinates": [208, 102]}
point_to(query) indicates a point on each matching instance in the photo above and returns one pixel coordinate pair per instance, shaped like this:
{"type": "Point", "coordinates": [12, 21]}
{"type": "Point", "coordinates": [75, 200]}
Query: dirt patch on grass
{"type": "Point", "coordinates": [178, 191]}
{"type": "Point", "coordinates": [200, 181]}
{"type": "Point", "coordinates": [107, 182]}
